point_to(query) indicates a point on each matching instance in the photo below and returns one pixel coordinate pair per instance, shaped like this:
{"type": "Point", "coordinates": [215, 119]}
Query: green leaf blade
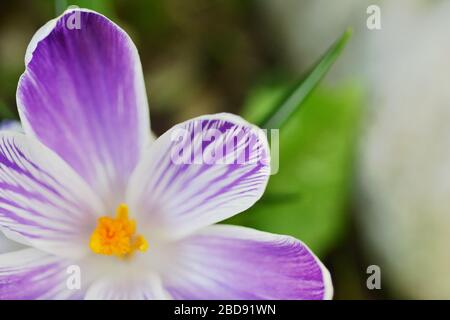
{"type": "Point", "coordinates": [294, 99]}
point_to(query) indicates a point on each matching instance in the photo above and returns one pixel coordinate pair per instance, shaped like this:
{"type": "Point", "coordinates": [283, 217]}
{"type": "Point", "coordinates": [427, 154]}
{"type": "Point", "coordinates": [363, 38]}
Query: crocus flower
{"type": "Point", "coordinates": [88, 188]}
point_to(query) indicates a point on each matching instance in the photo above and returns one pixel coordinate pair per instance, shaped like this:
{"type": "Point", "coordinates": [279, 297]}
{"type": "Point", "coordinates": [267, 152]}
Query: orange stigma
{"type": "Point", "coordinates": [116, 236]}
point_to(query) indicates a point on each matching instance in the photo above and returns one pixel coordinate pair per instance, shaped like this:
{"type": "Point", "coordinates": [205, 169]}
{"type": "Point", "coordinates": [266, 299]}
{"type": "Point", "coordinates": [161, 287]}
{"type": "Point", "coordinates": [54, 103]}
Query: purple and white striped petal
{"type": "Point", "coordinates": [43, 202]}
{"type": "Point", "coordinates": [31, 274]}
{"type": "Point", "coordinates": [198, 173]}
{"type": "Point", "coordinates": [83, 96]}
{"type": "Point", "coordinates": [7, 245]}
{"type": "Point", "coordinates": [126, 288]}
{"type": "Point", "coordinates": [228, 262]}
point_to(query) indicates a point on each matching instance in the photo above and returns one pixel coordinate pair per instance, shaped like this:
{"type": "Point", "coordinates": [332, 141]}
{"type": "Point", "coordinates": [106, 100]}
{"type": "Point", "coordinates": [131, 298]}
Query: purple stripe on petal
{"type": "Point", "coordinates": [218, 168]}
{"type": "Point", "coordinates": [227, 262]}
{"type": "Point", "coordinates": [83, 96]}
{"type": "Point", "coordinates": [43, 199]}
{"type": "Point", "coordinates": [30, 274]}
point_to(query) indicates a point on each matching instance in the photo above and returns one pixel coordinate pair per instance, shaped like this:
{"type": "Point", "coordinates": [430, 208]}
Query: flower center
{"type": "Point", "coordinates": [116, 236]}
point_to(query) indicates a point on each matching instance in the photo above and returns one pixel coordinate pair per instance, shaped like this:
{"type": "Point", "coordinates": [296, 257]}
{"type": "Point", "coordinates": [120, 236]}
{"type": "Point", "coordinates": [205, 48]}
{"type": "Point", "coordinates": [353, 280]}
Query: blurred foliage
{"type": "Point", "coordinates": [307, 198]}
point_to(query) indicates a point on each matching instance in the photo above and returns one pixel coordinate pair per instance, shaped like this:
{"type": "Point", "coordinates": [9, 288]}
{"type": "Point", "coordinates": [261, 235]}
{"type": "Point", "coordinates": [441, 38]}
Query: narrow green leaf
{"type": "Point", "coordinates": [290, 103]}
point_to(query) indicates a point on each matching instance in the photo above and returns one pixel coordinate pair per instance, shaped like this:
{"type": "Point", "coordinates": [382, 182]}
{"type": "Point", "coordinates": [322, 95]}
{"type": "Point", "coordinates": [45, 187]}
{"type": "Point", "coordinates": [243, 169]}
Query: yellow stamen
{"type": "Point", "coordinates": [116, 236]}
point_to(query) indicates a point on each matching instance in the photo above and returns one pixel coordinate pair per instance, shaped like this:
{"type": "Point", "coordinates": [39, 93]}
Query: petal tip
{"type": "Point", "coordinates": [327, 282]}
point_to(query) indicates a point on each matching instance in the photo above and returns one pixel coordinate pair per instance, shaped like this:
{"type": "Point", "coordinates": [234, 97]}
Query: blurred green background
{"type": "Point", "coordinates": [240, 56]}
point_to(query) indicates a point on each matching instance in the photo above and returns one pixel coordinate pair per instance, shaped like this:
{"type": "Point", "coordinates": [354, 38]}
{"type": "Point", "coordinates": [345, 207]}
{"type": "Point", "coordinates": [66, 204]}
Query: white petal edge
{"type": "Point", "coordinates": [47, 28]}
